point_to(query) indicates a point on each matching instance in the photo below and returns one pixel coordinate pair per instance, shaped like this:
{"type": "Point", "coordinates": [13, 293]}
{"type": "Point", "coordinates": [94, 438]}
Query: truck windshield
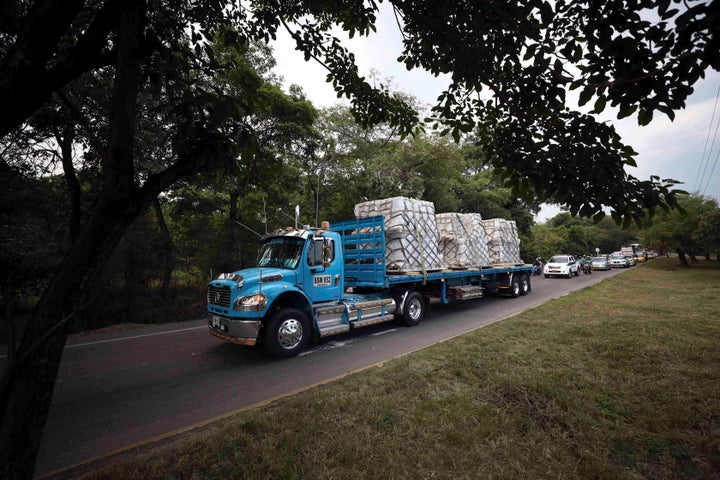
{"type": "Point", "coordinates": [281, 252]}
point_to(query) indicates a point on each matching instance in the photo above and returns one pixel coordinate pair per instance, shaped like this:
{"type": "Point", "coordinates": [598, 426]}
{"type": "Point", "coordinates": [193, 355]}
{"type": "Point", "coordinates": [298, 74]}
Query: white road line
{"type": "Point", "coordinates": [135, 336]}
{"type": "Point", "coordinates": [384, 332]}
{"type": "Point", "coordinates": [129, 338]}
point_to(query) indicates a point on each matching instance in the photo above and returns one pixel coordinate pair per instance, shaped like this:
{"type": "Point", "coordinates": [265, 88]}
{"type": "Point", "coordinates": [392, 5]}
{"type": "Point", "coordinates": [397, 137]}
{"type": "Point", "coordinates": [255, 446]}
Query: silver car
{"type": "Point", "coordinates": [600, 263]}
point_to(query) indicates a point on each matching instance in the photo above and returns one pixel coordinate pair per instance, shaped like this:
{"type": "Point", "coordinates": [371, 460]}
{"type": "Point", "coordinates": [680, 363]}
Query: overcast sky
{"type": "Point", "coordinates": [686, 149]}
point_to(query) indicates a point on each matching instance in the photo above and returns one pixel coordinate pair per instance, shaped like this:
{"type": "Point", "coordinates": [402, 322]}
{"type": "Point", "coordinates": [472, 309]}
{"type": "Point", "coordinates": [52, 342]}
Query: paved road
{"type": "Point", "coordinates": [116, 390]}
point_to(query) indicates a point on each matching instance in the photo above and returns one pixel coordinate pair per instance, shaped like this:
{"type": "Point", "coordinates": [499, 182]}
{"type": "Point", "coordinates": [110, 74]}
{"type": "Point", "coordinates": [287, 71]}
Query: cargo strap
{"type": "Point", "coordinates": [420, 245]}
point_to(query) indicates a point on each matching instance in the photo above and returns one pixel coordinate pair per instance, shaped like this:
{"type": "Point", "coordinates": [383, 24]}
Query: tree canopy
{"type": "Point", "coordinates": [692, 231]}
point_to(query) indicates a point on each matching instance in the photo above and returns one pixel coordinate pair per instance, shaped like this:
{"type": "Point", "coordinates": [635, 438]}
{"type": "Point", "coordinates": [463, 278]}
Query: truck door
{"type": "Point", "coordinates": [323, 271]}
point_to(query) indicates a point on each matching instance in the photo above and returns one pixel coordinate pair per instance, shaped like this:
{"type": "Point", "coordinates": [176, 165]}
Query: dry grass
{"type": "Point", "coordinates": [618, 381]}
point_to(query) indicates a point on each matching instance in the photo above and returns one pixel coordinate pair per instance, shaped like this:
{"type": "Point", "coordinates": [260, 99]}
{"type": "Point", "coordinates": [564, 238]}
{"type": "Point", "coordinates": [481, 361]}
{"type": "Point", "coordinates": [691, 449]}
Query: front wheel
{"type": "Point", "coordinates": [287, 333]}
{"type": "Point", "coordinates": [414, 309]}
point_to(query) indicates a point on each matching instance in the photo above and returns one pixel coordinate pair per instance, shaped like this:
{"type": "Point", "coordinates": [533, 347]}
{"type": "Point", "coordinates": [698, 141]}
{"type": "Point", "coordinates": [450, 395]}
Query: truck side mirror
{"type": "Point", "coordinates": [327, 255]}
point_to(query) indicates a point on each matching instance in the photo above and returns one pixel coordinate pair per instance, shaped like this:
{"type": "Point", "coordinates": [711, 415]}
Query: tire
{"type": "Point", "coordinates": [515, 287]}
{"type": "Point", "coordinates": [570, 274]}
{"type": "Point", "coordinates": [414, 309]}
{"type": "Point", "coordinates": [287, 333]}
{"type": "Point", "coordinates": [525, 287]}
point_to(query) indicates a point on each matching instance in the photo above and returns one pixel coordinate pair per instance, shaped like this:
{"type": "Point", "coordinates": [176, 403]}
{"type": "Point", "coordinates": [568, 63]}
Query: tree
{"type": "Point", "coordinates": [578, 235]}
{"type": "Point", "coordinates": [708, 233]}
{"type": "Point", "coordinates": [512, 64]}
{"type": "Point", "coordinates": [146, 46]}
{"type": "Point", "coordinates": [683, 231]}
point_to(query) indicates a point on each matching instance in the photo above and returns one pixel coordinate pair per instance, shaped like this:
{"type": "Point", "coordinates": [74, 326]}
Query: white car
{"type": "Point", "coordinates": [618, 260]}
{"type": "Point", "coordinates": [561, 265]}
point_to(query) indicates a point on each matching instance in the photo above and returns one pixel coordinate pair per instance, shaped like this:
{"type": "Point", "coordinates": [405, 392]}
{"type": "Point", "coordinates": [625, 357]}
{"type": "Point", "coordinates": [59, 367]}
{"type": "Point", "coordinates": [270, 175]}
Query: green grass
{"type": "Point", "coordinates": [618, 381]}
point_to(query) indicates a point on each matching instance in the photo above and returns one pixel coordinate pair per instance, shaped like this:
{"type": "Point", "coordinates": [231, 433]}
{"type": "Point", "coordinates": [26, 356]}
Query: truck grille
{"type": "Point", "coordinates": [218, 296]}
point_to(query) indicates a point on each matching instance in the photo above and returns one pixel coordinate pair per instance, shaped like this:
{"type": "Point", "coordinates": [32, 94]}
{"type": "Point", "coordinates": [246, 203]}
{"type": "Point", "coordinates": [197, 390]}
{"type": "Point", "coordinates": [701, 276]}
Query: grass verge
{"type": "Point", "coordinates": [618, 381]}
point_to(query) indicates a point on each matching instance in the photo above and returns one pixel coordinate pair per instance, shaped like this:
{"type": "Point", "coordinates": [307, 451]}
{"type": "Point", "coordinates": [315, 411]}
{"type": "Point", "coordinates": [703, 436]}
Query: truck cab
{"type": "Point", "coordinates": [296, 268]}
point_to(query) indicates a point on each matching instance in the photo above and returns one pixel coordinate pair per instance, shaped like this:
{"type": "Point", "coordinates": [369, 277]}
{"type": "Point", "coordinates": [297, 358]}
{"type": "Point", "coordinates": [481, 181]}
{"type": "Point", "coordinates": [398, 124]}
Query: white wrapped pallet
{"type": "Point", "coordinates": [503, 241]}
{"type": "Point", "coordinates": [411, 236]}
{"type": "Point", "coordinates": [479, 238]}
{"type": "Point", "coordinates": [463, 242]}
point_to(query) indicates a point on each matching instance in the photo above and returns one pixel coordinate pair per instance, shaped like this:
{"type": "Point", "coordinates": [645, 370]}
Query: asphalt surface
{"type": "Point", "coordinates": [117, 391]}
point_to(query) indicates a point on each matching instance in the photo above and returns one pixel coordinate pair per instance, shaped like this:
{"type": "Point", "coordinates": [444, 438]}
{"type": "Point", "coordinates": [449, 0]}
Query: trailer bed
{"type": "Point", "coordinates": [365, 265]}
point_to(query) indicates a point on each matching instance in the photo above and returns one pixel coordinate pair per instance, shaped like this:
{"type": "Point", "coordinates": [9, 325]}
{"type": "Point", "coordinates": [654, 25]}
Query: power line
{"type": "Point", "coordinates": [713, 169]}
{"type": "Point", "coordinates": [703, 164]}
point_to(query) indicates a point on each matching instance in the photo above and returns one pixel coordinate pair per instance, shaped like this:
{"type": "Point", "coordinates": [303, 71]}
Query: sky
{"type": "Point", "coordinates": [686, 149]}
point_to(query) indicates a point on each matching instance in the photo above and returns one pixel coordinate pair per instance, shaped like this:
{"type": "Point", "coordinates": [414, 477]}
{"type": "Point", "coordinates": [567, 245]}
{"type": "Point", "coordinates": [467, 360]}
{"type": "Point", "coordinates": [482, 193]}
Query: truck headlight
{"type": "Point", "coordinates": [238, 279]}
{"type": "Point", "coordinates": [251, 303]}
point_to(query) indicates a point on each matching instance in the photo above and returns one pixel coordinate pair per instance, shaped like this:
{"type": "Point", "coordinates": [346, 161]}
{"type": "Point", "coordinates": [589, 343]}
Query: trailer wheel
{"type": "Point", "coordinates": [414, 310]}
{"type": "Point", "coordinates": [287, 333]}
{"type": "Point", "coordinates": [515, 287]}
{"type": "Point", "coordinates": [525, 287]}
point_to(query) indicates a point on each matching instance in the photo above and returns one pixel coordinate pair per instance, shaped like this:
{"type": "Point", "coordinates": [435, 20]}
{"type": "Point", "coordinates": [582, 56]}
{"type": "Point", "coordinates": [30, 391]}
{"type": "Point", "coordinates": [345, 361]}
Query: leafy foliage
{"type": "Point", "coordinates": [691, 231]}
{"type": "Point", "coordinates": [578, 236]}
{"type": "Point", "coordinates": [512, 64]}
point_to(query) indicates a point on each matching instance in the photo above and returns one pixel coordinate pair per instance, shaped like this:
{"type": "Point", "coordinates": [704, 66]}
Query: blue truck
{"type": "Point", "coordinates": [311, 283]}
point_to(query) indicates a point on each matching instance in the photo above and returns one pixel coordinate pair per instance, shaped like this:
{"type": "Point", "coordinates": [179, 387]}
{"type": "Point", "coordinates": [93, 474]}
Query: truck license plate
{"type": "Point", "coordinates": [215, 322]}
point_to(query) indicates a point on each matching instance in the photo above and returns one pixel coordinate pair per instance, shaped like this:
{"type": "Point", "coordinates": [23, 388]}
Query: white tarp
{"type": "Point", "coordinates": [463, 241]}
{"type": "Point", "coordinates": [503, 240]}
{"type": "Point", "coordinates": [411, 235]}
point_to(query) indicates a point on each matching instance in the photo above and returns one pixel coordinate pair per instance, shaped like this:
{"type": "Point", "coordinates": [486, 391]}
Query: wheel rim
{"type": "Point", "coordinates": [414, 309]}
{"type": "Point", "coordinates": [516, 288]}
{"type": "Point", "coordinates": [290, 333]}
{"type": "Point", "coordinates": [525, 285]}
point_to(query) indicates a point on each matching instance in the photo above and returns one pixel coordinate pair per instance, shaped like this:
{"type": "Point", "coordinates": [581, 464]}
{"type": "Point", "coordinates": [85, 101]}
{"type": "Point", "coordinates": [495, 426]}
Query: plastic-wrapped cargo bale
{"type": "Point", "coordinates": [513, 243]}
{"type": "Point", "coordinates": [411, 236]}
{"type": "Point", "coordinates": [463, 242]}
{"type": "Point", "coordinates": [479, 238]}
{"type": "Point", "coordinates": [503, 241]}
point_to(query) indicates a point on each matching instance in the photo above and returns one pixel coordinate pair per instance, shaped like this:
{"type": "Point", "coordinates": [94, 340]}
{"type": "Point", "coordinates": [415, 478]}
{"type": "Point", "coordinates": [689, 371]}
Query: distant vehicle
{"type": "Point", "coordinates": [618, 260]}
{"type": "Point", "coordinates": [640, 256]}
{"type": "Point", "coordinates": [631, 260]}
{"type": "Point", "coordinates": [561, 265]}
{"type": "Point", "coordinates": [601, 263]}
{"type": "Point", "coordinates": [650, 254]}
{"type": "Point", "coordinates": [630, 249]}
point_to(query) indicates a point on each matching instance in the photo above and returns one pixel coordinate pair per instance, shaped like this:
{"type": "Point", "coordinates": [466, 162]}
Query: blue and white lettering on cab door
{"type": "Point", "coordinates": [321, 281]}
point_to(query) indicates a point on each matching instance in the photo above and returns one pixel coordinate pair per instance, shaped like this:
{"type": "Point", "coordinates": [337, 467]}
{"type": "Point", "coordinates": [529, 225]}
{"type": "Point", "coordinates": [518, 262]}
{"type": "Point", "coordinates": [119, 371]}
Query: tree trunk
{"type": "Point", "coordinates": [233, 234]}
{"type": "Point", "coordinates": [168, 245]}
{"type": "Point", "coordinates": [681, 256]}
{"type": "Point", "coordinates": [74, 191]}
{"type": "Point", "coordinates": [27, 384]}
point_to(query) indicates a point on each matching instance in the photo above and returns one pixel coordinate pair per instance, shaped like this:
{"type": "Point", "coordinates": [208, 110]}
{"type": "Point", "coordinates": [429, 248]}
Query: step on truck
{"type": "Point", "coordinates": [311, 283]}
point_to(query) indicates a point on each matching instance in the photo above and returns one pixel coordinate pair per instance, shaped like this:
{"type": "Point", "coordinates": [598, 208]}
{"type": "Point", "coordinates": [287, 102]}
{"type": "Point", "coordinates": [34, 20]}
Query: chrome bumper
{"type": "Point", "coordinates": [243, 332]}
